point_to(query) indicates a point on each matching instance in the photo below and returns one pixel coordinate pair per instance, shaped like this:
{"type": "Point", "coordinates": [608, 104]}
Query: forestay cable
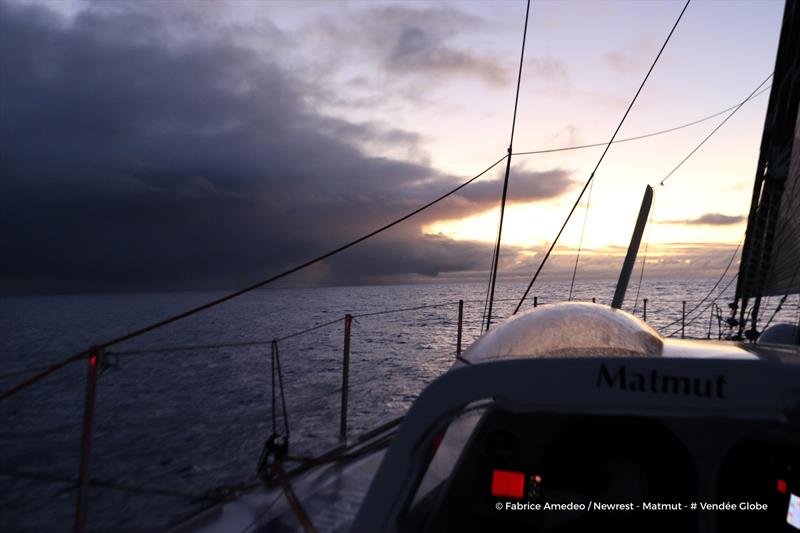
{"type": "Point", "coordinates": [602, 156]}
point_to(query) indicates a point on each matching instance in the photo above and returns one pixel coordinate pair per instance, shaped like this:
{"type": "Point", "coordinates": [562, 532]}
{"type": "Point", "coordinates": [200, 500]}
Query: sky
{"type": "Point", "coordinates": [209, 144]}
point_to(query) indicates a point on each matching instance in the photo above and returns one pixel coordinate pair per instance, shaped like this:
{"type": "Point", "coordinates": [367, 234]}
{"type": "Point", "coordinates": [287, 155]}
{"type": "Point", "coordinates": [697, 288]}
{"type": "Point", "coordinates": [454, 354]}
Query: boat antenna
{"type": "Point", "coordinates": [496, 257]}
{"type": "Point", "coordinates": [602, 156]}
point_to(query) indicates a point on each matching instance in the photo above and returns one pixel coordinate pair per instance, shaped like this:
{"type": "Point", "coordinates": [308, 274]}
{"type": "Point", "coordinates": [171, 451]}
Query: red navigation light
{"type": "Point", "coordinates": [781, 486]}
{"type": "Point", "coordinates": [508, 484]}
{"type": "Point", "coordinates": [93, 360]}
{"type": "Point", "coordinates": [537, 478]}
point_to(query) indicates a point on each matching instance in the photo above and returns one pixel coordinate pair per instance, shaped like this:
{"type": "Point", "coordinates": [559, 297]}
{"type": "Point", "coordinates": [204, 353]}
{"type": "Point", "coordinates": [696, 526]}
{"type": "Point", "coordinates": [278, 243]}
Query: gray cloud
{"type": "Point", "coordinates": [709, 219]}
{"type": "Point", "coordinates": [183, 161]}
{"type": "Point", "coordinates": [549, 72]}
{"type": "Point", "coordinates": [410, 43]}
{"type": "Point", "coordinates": [421, 50]}
{"type": "Point", "coordinates": [524, 186]}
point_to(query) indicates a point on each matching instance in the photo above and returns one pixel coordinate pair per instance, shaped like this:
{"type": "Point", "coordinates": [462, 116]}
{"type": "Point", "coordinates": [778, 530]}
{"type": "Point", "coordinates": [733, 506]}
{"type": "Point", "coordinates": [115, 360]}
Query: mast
{"type": "Point", "coordinates": [496, 258]}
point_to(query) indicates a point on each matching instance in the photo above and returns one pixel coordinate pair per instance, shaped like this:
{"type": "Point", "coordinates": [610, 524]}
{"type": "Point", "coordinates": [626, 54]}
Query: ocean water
{"type": "Point", "coordinates": [171, 424]}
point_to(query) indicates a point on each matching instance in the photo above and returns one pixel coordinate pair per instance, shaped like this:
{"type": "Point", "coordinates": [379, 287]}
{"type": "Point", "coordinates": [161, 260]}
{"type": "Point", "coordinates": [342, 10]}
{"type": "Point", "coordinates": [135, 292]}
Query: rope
{"type": "Point", "coordinates": [197, 347]}
{"type": "Point", "coordinates": [602, 156]}
{"type": "Point", "coordinates": [782, 300]}
{"type": "Point", "coordinates": [715, 130]}
{"type": "Point", "coordinates": [704, 309]}
{"type": "Point", "coordinates": [730, 262]}
{"type": "Point", "coordinates": [45, 370]}
{"type": "Point", "coordinates": [136, 333]}
{"type": "Point", "coordinates": [29, 370]}
{"type": "Point", "coordinates": [307, 330]}
{"type": "Point", "coordinates": [488, 289]}
{"type": "Point", "coordinates": [580, 243]}
{"type": "Point", "coordinates": [404, 309]}
{"type": "Point", "coordinates": [291, 497]}
{"type": "Point", "coordinates": [241, 344]}
{"type": "Point", "coordinates": [496, 260]}
{"type": "Point", "coordinates": [223, 344]}
{"type": "Point", "coordinates": [663, 181]}
{"type": "Point", "coordinates": [335, 458]}
{"type": "Point", "coordinates": [645, 135]}
{"type": "Point", "coordinates": [276, 364]}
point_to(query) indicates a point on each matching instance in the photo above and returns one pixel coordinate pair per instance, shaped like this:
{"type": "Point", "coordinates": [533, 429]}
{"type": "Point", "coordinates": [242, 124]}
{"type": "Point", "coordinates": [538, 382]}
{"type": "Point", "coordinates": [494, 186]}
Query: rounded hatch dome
{"type": "Point", "coordinates": [570, 329]}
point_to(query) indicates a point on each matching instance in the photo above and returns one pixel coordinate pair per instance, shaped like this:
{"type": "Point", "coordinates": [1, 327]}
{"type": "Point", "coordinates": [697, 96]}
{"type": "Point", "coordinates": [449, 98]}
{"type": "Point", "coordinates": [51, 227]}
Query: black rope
{"type": "Point", "coordinates": [272, 388]}
{"type": "Point", "coordinates": [196, 347]}
{"type": "Point", "coordinates": [45, 370]}
{"type": "Point", "coordinates": [241, 344]}
{"type": "Point", "coordinates": [212, 346]}
{"type": "Point", "coordinates": [307, 330]}
{"type": "Point", "coordinates": [724, 273]}
{"type": "Point", "coordinates": [29, 370]}
{"type": "Point", "coordinates": [404, 309]}
{"type": "Point", "coordinates": [645, 135]}
{"type": "Point", "coordinates": [276, 365]}
{"type": "Point", "coordinates": [602, 156]}
{"type": "Point", "coordinates": [696, 148]}
{"type": "Point", "coordinates": [714, 301]}
{"type": "Point", "coordinates": [136, 333]}
{"type": "Point", "coordinates": [496, 261]}
{"type": "Point", "coordinates": [783, 298]}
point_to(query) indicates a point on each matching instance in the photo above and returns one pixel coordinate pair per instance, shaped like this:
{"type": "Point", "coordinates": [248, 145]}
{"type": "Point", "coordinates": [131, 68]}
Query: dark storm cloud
{"type": "Point", "coordinates": [416, 41]}
{"type": "Point", "coordinates": [422, 50]}
{"type": "Point", "coordinates": [135, 156]}
{"type": "Point", "coordinates": [410, 43]}
{"type": "Point", "coordinates": [525, 186]}
{"type": "Point", "coordinates": [709, 219]}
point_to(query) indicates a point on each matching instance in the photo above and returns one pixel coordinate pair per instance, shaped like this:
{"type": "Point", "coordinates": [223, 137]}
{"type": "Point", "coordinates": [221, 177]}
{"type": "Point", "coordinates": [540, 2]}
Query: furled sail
{"type": "Point", "coordinates": [771, 255]}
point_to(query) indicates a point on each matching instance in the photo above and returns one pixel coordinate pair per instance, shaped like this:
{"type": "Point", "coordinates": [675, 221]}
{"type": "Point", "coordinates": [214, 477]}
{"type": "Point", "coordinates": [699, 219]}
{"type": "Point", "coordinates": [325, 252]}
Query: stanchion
{"type": "Point", "coordinates": [82, 509]}
{"type": "Point", "coordinates": [460, 326]}
{"type": "Point", "coordinates": [683, 320]}
{"type": "Point", "coordinates": [345, 378]}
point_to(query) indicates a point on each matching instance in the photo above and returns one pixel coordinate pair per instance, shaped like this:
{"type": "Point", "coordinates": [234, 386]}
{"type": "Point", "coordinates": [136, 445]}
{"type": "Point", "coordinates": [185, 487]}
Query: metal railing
{"type": "Point", "coordinates": [97, 361]}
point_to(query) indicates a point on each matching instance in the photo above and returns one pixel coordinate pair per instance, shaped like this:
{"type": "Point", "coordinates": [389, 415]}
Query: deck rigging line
{"type": "Point", "coordinates": [45, 370]}
{"type": "Point", "coordinates": [696, 148]}
{"type": "Point", "coordinates": [602, 156]}
{"type": "Point", "coordinates": [733, 111]}
{"type": "Point", "coordinates": [580, 243]}
{"type": "Point", "coordinates": [703, 312]}
{"type": "Point", "coordinates": [488, 288]}
{"type": "Point", "coordinates": [496, 260]}
{"type": "Point", "coordinates": [275, 360]}
{"type": "Point", "coordinates": [724, 273]}
{"type": "Point", "coordinates": [783, 298]}
{"type": "Point", "coordinates": [646, 135]}
{"type": "Point", "coordinates": [193, 311]}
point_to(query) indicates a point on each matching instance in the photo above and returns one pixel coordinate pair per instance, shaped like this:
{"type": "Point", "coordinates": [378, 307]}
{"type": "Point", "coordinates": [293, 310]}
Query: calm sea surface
{"type": "Point", "coordinates": [177, 423]}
